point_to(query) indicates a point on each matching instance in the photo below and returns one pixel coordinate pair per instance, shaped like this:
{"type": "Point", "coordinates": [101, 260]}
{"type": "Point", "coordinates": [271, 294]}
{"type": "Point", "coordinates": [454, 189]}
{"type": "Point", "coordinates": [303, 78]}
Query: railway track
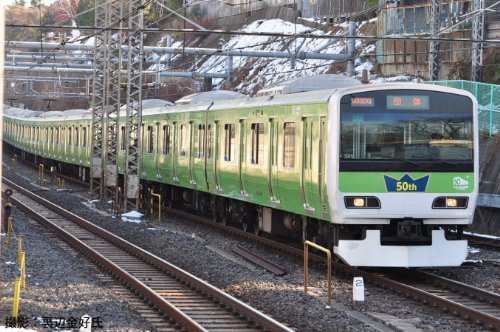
{"type": "Point", "coordinates": [472, 303]}
{"type": "Point", "coordinates": [483, 241]}
{"type": "Point", "coordinates": [187, 302]}
{"type": "Point", "coordinates": [476, 305]}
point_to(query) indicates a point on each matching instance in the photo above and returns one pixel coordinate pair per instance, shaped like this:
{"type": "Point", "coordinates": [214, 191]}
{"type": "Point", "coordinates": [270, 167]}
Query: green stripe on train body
{"type": "Point", "coordinates": [437, 182]}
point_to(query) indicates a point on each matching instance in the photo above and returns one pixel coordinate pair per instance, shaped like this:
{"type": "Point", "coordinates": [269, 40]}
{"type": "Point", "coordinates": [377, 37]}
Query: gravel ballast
{"type": "Point", "coordinates": [207, 253]}
{"type": "Point", "coordinates": [60, 283]}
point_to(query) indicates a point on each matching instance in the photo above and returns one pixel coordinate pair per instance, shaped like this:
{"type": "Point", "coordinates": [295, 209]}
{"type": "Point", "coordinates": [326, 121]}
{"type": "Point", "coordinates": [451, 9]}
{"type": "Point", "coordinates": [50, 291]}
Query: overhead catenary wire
{"type": "Point", "coordinates": [259, 34]}
{"type": "Point", "coordinates": [104, 29]}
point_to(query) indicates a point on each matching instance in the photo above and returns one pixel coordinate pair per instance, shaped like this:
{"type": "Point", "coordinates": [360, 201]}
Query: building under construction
{"type": "Point", "coordinates": [453, 19]}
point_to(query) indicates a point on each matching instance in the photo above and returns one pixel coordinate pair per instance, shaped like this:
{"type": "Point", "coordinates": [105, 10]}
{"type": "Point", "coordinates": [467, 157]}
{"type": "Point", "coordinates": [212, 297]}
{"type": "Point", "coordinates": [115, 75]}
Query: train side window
{"type": "Point", "coordinates": [57, 135]}
{"type": "Point", "coordinates": [166, 140]}
{"type": "Point", "coordinates": [257, 143]}
{"type": "Point", "coordinates": [52, 136]}
{"type": "Point", "coordinates": [70, 136]}
{"type": "Point", "coordinates": [123, 140]}
{"type": "Point", "coordinates": [209, 141]}
{"type": "Point", "coordinates": [229, 139]}
{"type": "Point", "coordinates": [150, 139]}
{"type": "Point", "coordinates": [289, 144]}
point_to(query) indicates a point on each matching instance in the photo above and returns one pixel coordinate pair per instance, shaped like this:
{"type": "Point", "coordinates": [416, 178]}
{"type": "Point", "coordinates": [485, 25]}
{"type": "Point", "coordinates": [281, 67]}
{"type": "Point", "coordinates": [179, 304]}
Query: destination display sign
{"type": "Point", "coordinates": [405, 102]}
{"type": "Point", "coordinates": [362, 101]}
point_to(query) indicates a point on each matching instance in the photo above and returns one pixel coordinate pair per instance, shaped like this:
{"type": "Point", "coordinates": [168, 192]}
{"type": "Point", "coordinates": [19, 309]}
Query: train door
{"type": "Point", "coordinates": [165, 149]}
{"type": "Point", "coordinates": [241, 157]}
{"type": "Point", "coordinates": [199, 154]}
{"type": "Point", "coordinates": [175, 151]}
{"type": "Point", "coordinates": [309, 182]}
{"type": "Point", "coordinates": [148, 149]}
{"type": "Point", "coordinates": [324, 213]}
{"type": "Point", "coordinates": [182, 160]}
{"type": "Point", "coordinates": [289, 164]}
{"type": "Point", "coordinates": [255, 158]}
{"type": "Point", "coordinates": [273, 178]}
{"type": "Point", "coordinates": [157, 150]}
{"type": "Point", "coordinates": [210, 155]}
{"type": "Point", "coordinates": [228, 164]}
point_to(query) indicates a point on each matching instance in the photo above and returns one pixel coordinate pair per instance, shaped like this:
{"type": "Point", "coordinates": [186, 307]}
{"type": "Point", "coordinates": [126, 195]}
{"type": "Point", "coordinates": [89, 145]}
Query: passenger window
{"type": "Point", "coordinates": [229, 139]}
{"type": "Point", "coordinates": [257, 143]}
{"type": "Point", "coordinates": [289, 144]}
{"type": "Point", "coordinates": [77, 136]}
{"type": "Point", "coordinates": [70, 136]}
{"type": "Point", "coordinates": [57, 135]}
{"type": "Point", "coordinates": [123, 140]}
{"type": "Point", "coordinates": [150, 139]}
{"type": "Point", "coordinates": [166, 139]}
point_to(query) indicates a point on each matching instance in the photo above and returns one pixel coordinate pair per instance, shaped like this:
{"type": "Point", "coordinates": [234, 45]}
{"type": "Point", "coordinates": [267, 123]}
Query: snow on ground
{"type": "Point", "coordinates": [265, 72]}
{"type": "Point", "coordinates": [132, 216]}
{"type": "Point", "coordinates": [363, 66]}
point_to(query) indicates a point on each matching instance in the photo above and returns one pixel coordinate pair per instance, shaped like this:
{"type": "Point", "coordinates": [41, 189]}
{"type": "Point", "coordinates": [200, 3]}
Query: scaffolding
{"type": "Point", "coordinates": [488, 98]}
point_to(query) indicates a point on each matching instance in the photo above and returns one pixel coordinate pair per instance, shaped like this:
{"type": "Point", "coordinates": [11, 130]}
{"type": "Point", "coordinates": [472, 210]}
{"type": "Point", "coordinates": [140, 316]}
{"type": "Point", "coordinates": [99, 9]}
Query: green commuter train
{"type": "Point", "coordinates": [384, 174]}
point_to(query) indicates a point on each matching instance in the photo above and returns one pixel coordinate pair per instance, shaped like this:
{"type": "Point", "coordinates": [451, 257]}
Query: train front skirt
{"type": "Point", "coordinates": [370, 253]}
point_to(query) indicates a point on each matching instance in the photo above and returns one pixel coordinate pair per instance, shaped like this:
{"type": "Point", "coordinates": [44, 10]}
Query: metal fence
{"type": "Point", "coordinates": [488, 97]}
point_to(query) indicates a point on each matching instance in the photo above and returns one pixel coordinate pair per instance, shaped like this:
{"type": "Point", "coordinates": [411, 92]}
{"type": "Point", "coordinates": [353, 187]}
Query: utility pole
{"type": "Point", "coordinates": [98, 101]}
{"type": "Point", "coordinates": [477, 47]}
{"type": "Point", "coordinates": [133, 120]}
{"type": "Point", "coordinates": [113, 103]}
{"type": "Point", "coordinates": [434, 44]}
{"type": "Point", "coordinates": [106, 98]}
{"type": "Point", "coordinates": [351, 47]}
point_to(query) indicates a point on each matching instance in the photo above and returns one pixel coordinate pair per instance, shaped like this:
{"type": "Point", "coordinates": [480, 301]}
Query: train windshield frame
{"type": "Point", "coordinates": [406, 130]}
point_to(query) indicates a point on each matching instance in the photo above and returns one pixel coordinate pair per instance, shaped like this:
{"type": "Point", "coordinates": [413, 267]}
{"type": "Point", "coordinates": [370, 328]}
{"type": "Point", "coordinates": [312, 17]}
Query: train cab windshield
{"type": "Point", "coordinates": [406, 130]}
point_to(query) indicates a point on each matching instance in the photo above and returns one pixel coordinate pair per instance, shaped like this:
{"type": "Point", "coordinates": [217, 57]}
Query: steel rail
{"type": "Point", "coordinates": [387, 281]}
{"type": "Point", "coordinates": [481, 241]}
{"type": "Point", "coordinates": [479, 305]}
{"type": "Point", "coordinates": [408, 288]}
{"type": "Point", "coordinates": [260, 261]}
{"type": "Point", "coordinates": [243, 310]}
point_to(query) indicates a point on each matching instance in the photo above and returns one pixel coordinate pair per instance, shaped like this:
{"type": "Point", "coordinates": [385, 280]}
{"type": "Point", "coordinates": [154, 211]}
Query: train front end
{"type": "Point", "coordinates": [402, 174]}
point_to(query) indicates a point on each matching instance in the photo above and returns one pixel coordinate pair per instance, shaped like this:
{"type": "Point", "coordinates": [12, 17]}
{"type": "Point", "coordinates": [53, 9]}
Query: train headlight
{"type": "Point", "coordinates": [446, 202]}
{"type": "Point", "coordinates": [361, 202]}
{"type": "Point", "coordinates": [358, 202]}
{"type": "Point", "coordinates": [451, 202]}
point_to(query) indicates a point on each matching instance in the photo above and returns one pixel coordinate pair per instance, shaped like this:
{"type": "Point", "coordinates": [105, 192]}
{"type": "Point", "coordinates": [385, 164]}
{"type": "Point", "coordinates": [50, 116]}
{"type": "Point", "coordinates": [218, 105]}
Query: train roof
{"type": "Point", "coordinates": [209, 97]}
{"type": "Point", "coordinates": [158, 107]}
{"type": "Point", "coordinates": [310, 83]}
